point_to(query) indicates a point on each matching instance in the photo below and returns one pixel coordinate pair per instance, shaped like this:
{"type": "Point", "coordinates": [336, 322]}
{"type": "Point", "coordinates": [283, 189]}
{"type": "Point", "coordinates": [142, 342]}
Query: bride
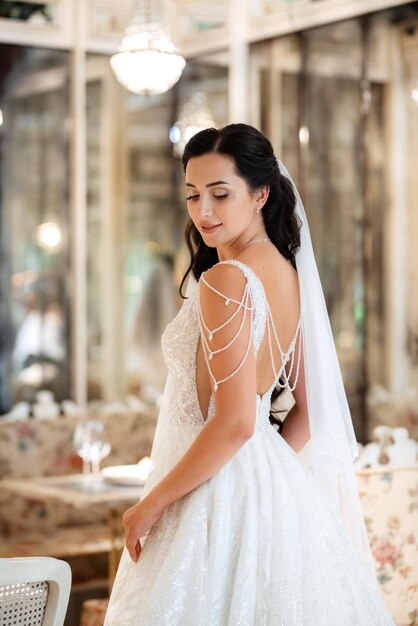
{"type": "Point", "coordinates": [240, 525]}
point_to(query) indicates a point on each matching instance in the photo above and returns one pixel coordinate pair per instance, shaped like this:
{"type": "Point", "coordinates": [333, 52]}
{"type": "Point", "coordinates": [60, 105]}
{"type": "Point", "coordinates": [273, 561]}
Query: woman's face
{"type": "Point", "coordinates": [218, 200]}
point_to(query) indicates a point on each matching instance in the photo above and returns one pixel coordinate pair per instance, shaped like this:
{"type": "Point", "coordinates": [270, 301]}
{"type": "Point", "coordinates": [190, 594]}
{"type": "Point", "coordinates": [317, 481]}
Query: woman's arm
{"type": "Point", "coordinates": [235, 408]}
{"type": "Point", "coordinates": [295, 428]}
{"type": "Point", "coordinates": [235, 400]}
{"type": "Point", "coordinates": [216, 444]}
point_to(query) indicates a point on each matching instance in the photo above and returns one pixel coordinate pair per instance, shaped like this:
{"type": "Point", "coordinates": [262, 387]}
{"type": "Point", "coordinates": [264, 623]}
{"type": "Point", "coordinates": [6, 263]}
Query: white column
{"type": "Point", "coordinates": [78, 208]}
{"type": "Point", "coordinates": [239, 68]}
{"type": "Point", "coordinates": [396, 258]}
{"type": "Point", "coordinates": [112, 218]}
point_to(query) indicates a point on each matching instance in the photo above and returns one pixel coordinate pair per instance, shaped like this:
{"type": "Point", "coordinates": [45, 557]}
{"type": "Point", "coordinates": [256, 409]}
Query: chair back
{"type": "Point", "coordinates": [389, 500]}
{"type": "Point", "coordinates": [34, 591]}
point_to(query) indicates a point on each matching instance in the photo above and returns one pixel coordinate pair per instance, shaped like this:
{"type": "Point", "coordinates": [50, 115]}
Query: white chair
{"type": "Point", "coordinates": [34, 591]}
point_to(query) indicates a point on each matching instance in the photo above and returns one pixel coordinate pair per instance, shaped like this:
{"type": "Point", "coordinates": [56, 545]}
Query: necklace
{"type": "Point", "coordinates": [248, 243]}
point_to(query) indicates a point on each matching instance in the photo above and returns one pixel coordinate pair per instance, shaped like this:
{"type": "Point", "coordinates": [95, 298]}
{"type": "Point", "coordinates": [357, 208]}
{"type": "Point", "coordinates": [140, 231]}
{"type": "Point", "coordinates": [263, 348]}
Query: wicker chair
{"type": "Point", "coordinates": [34, 591]}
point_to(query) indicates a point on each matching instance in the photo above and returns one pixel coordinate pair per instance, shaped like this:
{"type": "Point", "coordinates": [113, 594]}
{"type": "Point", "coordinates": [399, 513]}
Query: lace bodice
{"type": "Point", "coordinates": [180, 342]}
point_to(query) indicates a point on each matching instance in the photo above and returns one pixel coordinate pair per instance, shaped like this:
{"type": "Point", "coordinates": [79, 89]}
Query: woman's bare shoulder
{"type": "Point", "coordinates": [270, 266]}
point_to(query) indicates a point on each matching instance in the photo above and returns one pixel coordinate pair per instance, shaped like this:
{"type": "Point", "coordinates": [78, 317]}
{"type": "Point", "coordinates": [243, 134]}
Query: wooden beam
{"type": "Point", "coordinates": [312, 14]}
{"type": "Point", "coordinates": [285, 21]}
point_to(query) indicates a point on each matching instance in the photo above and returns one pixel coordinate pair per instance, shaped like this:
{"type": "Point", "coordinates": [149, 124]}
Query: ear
{"type": "Point", "coordinates": [261, 196]}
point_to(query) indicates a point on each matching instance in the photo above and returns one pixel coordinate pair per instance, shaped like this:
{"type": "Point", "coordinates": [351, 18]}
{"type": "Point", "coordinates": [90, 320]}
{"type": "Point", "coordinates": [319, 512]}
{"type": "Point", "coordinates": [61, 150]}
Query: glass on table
{"type": "Point", "coordinates": [92, 445]}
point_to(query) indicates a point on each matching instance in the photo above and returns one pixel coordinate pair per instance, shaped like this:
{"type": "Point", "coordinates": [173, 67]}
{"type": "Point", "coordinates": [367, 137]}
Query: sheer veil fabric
{"type": "Point", "coordinates": [332, 448]}
{"type": "Point", "coordinates": [330, 453]}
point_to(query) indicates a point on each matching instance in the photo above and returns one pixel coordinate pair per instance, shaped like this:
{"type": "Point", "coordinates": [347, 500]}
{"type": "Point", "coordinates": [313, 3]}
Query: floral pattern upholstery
{"type": "Point", "coordinates": [45, 447]}
{"type": "Point", "coordinates": [389, 499]}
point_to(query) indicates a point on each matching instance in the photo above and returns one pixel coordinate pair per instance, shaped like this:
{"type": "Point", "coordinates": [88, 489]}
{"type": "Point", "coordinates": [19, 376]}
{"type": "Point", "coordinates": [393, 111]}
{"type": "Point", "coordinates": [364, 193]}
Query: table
{"type": "Point", "coordinates": [78, 490]}
{"type": "Point", "coordinates": [81, 491]}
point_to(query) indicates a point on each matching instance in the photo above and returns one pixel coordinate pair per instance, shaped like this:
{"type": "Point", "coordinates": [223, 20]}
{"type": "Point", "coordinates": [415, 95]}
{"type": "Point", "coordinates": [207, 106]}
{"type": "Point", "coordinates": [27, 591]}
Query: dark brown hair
{"type": "Point", "coordinates": [255, 161]}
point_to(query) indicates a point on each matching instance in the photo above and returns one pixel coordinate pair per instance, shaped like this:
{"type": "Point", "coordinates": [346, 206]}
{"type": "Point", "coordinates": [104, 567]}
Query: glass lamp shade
{"type": "Point", "coordinates": [147, 61]}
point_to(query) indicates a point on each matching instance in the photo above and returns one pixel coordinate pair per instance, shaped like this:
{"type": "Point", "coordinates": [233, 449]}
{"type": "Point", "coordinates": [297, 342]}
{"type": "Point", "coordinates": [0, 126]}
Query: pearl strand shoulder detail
{"type": "Point", "coordinates": [246, 308]}
{"type": "Point", "coordinates": [246, 305]}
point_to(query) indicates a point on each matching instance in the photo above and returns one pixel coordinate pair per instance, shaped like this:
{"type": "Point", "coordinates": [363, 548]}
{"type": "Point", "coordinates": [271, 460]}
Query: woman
{"type": "Point", "coordinates": [235, 529]}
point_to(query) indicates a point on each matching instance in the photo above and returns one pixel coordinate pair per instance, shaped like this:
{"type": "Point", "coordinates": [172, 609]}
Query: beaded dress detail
{"type": "Point", "coordinates": [258, 543]}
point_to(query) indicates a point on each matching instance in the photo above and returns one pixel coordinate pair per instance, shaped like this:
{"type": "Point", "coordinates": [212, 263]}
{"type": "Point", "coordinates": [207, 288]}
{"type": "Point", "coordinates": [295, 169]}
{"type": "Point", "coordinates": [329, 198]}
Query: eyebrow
{"type": "Point", "coordinates": [217, 182]}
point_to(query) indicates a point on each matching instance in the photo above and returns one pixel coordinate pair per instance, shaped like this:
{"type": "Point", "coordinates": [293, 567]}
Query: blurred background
{"type": "Point", "coordinates": [91, 199]}
{"type": "Point", "coordinates": [92, 209]}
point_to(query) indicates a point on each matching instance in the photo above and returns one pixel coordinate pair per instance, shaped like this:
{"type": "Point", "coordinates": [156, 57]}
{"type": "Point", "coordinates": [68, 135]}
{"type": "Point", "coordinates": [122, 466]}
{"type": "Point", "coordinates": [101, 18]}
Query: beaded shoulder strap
{"type": "Point", "coordinates": [246, 306]}
{"type": "Point", "coordinates": [271, 330]}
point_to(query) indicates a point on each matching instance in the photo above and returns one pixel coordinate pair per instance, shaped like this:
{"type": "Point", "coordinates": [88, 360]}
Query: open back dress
{"type": "Point", "coordinates": [258, 543]}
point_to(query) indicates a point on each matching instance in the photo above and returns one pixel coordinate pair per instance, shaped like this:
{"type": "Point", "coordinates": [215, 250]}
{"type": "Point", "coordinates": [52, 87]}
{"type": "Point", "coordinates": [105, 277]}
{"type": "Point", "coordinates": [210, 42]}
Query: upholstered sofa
{"type": "Point", "coordinates": [390, 503]}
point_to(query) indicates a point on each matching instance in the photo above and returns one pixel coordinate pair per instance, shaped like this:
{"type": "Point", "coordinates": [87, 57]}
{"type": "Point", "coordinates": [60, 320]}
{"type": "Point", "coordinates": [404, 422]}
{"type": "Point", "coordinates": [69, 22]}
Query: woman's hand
{"type": "Point", "coordinates": [137, 521]}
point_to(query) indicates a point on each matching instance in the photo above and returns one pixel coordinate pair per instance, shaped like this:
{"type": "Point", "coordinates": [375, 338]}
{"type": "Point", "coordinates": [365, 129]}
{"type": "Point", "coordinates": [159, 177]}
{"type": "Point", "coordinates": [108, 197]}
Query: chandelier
{"type": "Point", "coordinates": [147, 61]}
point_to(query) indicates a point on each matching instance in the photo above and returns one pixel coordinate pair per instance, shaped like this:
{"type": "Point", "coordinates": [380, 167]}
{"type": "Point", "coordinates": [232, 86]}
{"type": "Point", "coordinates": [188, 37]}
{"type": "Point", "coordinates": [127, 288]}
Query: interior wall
{"type": "Point", "coordinates": [326, 100]}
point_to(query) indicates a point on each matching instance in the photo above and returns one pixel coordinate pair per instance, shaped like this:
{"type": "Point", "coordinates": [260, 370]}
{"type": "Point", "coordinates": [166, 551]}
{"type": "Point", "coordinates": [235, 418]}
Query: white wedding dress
{"type": "Point", "coordinates": [257, 544]}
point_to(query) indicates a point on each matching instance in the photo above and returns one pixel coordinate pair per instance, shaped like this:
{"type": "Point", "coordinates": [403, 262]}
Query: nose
{"type": "Point", "coordinates": [204, 208]}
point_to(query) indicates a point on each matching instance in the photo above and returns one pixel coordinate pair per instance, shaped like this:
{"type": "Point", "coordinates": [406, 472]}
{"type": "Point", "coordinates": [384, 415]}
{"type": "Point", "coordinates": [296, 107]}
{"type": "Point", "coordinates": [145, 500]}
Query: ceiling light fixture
{"type": "Point", "coordinates": [147, 61]}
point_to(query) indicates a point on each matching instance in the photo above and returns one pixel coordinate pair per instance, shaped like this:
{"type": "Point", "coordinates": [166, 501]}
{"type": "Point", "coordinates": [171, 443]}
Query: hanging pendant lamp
{"type": "Point", "coordinates": [147, 61]}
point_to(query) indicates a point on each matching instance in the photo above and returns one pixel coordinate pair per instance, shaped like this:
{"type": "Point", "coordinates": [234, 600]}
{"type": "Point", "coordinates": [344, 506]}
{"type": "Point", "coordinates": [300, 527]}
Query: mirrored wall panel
{"type": "Point", "coordinates": [34, 224]}
{"type": "Point", "coordinates": [136, 218]}
{"type": "Point", "coordinates": [338, 103]}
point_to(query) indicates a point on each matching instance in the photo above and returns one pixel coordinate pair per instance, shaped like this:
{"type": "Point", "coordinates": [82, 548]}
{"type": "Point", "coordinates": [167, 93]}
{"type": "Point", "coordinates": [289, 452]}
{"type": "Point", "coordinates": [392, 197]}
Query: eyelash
{"type": "Point", "coordinates": [216, 197]}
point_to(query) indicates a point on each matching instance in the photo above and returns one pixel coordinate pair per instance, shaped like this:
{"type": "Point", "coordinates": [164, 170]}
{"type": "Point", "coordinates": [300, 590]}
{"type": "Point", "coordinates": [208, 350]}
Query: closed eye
{"type": "Point", "coordinates": [217, 197]}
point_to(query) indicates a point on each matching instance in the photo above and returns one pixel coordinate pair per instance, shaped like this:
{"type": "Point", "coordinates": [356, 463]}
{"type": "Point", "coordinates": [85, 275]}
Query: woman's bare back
{"type": "Point", "coordinates": [281, 285]}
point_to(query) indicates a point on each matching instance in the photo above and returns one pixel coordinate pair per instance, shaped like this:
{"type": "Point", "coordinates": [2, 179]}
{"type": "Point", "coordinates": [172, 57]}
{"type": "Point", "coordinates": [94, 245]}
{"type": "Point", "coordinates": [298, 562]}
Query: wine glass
{"type": "Point", "coordinates": [92, 446]}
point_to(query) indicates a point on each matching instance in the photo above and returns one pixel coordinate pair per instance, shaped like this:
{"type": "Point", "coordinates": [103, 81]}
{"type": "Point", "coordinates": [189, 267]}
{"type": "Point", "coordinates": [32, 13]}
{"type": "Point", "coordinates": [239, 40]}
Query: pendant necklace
{"type": "Point", "coordinates": [248, 243]}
